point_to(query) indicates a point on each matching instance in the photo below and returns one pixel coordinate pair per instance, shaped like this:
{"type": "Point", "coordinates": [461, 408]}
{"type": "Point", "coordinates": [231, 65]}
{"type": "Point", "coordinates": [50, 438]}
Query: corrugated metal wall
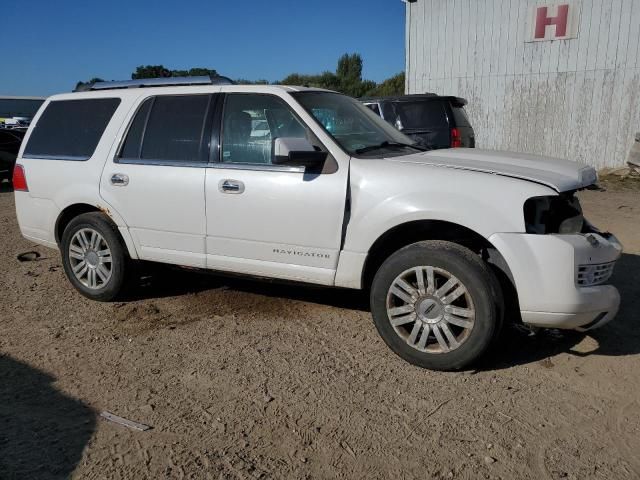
{"type": "Point", "coordinates": [577, 99]}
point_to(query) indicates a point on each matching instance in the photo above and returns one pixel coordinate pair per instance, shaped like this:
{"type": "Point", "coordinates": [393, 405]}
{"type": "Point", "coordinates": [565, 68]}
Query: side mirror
{"type": "Point", "coordinates": [297, 152]}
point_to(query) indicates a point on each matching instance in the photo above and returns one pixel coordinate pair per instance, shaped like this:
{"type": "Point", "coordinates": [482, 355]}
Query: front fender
{"type": "Point", "coordinates": [387, 194]}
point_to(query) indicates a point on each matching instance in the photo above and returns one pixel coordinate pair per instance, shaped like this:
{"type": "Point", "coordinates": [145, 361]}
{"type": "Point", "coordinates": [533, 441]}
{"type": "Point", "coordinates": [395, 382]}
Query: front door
{"type": "Point", "coordinates": [156, 181]}
{"type": "Point", "coordinates": [272, 220]}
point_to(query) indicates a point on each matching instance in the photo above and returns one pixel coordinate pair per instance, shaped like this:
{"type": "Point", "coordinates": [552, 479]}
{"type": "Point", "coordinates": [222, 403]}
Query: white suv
{"type": "Point", "coordinates": [325, 192]}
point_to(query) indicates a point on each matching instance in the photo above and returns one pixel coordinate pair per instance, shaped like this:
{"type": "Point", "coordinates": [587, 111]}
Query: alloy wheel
{"type": "Point", "coordinates": [90, 258]}
{"type": "Point", "coordinates": [430, 309]}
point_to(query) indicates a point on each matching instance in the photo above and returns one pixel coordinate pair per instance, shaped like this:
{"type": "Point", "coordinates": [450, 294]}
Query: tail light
{"type": "Point", "coordinates": [456, 138]}
{"type": "Point", "coordinates": [19, 179]}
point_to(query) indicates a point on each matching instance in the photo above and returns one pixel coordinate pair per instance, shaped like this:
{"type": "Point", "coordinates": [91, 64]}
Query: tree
{"type": "Point", "coordinates": [81, 84]}
{"type": "Point", "coordinates": [347, 78]}
{"type": "Point", "coordinates": [349, 75]}
{"type": "Point", "coordinates": [160, 71]}
{"type": "Point", "coordinates": [391, 86]}
{"type": "Point", "coordinates": [195, 72]}
{"type": "Point", "coordinates": [244, 81]}
{"type": "Point", "coordinates": [350, 67]}
{"type": "Point", "coordinates": [151, 71]}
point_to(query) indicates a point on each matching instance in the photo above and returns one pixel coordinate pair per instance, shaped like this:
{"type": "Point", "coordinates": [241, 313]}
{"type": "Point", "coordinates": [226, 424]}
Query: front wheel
{"type": "Point", "coordinates": [94, 256]}
{"type": "Point", "coordinates": [436, 304]}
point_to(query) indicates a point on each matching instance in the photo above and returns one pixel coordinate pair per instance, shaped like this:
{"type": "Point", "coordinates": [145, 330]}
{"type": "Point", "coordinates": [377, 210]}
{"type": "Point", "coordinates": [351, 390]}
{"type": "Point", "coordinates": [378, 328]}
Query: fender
{"type": "Point", "coordinates": [388, 194]}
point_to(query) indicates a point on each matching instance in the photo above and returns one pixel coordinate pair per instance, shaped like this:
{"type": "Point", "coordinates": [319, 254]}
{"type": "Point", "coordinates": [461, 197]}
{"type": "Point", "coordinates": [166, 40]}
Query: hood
{"type": "Point", "coordinates": [561, 175]}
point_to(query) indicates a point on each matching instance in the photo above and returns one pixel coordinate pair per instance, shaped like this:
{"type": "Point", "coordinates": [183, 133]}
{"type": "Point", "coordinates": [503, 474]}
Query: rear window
{"type": "Point", "coordinates": [460, 117]}
{"type": "Point", "coordinates": [71, 129]}
{"type": "Point", "coordinates": [421, 115]}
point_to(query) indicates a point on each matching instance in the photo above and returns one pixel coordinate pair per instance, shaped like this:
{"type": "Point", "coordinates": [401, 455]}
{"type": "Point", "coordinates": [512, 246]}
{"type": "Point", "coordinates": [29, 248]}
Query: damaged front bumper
{"type": "Point", "coordinates": [561, 279]}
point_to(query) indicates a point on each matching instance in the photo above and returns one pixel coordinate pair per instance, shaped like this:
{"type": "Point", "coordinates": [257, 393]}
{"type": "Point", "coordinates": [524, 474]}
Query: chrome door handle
{"type": "Point", "coordinates": [231, 186]}
{"type": "Point", "coordinates": [120, 179]}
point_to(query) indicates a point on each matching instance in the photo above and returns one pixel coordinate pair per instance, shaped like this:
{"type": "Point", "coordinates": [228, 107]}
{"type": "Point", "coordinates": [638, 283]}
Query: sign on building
{"type": "Point", "coordinates": [554, 21]}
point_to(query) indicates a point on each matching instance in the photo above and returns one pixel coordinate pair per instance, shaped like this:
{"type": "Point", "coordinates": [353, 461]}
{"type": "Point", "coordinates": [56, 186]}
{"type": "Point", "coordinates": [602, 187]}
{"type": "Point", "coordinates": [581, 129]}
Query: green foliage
{"type": "Point", "coordinates": [195, 72]}
{"type": "Point", "coordinates": [391, 86]}
{"type": "Point", "coordinates": [346, 79]}
{"type": "Point", "coordinates": [150, 71]}
{"type": "Point", "coordinates": [160, 71]}
{"type": "Point", "coordinates": [88, 82]}
{"type": "Point", "coordinates": [244, 81]}
{"type": "Point", "coordinates": [349, 73]}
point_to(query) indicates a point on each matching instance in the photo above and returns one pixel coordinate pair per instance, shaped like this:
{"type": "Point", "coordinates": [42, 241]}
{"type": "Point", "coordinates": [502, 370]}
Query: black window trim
{"type": "Point", "coordinates": [216, 149]}
{"type": "Point", "coordinates": [206, 127]}
{"type": "Point", "coordinates": [73, 158]}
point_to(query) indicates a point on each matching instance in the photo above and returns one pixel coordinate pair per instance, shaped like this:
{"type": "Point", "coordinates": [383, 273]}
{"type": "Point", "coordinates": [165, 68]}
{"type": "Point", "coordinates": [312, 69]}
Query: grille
{"type": "Point", "coordinates": [594, 274]}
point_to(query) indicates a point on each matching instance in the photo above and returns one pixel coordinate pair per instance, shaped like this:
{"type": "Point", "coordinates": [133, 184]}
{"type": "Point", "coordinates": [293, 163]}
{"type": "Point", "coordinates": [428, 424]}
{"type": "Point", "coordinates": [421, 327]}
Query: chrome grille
{"type": "Point", "coordinates": [594, 274]}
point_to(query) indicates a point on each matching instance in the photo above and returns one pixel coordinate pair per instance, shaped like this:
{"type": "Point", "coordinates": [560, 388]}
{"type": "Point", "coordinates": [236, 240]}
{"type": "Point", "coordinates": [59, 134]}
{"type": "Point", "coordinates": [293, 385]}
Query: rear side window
{"type": "Point", "coordinates": [374, 107]}
{"type": "Point", "coordinates": [169, 128]}
{"type": "Point", "coordinates": [71, 129]}
{"type": "Point", "coordinates": [460, 117]}
{"type": "Point", "coordinates": [421, 115]}
{"type": "Point", "coordinates": [388, 113]}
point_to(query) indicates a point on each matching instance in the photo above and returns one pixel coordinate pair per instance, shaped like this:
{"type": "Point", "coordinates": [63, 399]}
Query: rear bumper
{"type": "Point", "coordinates": [545, 270]}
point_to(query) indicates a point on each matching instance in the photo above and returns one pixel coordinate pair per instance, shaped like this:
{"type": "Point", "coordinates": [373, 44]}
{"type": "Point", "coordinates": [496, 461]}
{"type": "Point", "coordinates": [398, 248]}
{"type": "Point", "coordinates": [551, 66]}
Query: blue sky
{"type": "Point", "coordinates": [49, 45]}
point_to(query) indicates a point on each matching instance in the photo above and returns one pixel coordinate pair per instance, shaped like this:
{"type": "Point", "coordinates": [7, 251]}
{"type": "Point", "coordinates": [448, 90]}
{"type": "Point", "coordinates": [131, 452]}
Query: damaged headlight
{"type": "Point", "coordinates": [553, 214]}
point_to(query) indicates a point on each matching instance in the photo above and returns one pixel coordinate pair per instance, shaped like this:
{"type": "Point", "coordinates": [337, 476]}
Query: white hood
{"type": "Point", "coordinates": [561, 175]}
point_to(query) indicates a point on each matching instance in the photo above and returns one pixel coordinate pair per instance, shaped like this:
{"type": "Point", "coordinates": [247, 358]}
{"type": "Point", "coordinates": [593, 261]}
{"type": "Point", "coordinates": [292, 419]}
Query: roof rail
{"type": "Point", "coordinates": [156, 82]}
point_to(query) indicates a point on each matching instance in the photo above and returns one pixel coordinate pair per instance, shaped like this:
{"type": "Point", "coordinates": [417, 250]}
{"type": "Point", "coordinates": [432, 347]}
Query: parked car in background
{"type": "Point", "coordinates": [429, 119]}
{"type": "Point", "coordinates": [324, 192]}
{"type": "Point", "coordinates": [15, 116]}
{"type": "Point", "coordinates": [10, 141]}
{"type": "Point", "coordinates": [17, 112]}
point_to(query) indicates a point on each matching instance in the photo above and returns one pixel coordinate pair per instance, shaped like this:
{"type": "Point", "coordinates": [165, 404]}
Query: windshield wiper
{"type": "Point", "coordinates": [387, 144]}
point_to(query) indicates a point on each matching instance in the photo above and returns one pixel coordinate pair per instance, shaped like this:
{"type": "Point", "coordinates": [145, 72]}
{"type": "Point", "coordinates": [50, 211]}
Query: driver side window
{"type": "Point", "coordinates": [250, 123]}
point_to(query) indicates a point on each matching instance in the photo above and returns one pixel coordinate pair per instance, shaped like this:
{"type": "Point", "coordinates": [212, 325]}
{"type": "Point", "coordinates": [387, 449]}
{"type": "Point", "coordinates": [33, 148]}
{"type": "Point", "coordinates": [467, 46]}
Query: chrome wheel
{"type": "Point", "coordinates": [90, 258]}
{"type": "Point", "coordinates": [430, 309]}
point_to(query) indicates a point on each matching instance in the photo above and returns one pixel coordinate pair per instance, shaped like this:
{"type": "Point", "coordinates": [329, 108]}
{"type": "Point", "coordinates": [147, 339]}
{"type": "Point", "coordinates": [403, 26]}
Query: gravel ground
{"type": "Point", "coordinates": [246, 379]}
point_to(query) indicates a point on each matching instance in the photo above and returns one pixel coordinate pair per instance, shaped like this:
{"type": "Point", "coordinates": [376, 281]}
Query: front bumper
{"type": "Point", "coordinates": [545, 272]}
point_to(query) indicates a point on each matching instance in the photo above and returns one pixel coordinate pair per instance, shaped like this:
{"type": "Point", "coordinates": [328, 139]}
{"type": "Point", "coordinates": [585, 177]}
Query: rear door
{"type": "Point", "coordinates": [265, 219]}
{"type": "Point", "coordinates": [156, 180]}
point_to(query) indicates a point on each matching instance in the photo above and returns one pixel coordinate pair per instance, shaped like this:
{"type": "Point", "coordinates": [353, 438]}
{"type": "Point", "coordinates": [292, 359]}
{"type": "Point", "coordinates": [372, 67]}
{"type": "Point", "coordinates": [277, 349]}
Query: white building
{"type": "Point", "coordinates": [559, 79]}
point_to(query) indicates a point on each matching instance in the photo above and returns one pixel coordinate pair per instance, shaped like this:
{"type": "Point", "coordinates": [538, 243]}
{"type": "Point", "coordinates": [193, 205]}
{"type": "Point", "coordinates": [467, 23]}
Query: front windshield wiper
{"type": "Point", "coordinates": [387, 144]}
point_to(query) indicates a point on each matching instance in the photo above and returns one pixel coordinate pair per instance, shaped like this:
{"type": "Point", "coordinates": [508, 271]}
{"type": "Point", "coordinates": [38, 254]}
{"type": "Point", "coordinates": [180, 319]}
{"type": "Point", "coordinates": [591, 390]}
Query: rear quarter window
{"type": "Point", "coordinates": [71, 129]}
{"type": "Point", "coordinates": [460, 116]}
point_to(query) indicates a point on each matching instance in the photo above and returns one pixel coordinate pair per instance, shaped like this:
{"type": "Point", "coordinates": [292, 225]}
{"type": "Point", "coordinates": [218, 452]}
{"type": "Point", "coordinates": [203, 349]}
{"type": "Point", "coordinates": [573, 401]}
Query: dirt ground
{"type": "Point", "coordinates": [245, 379]}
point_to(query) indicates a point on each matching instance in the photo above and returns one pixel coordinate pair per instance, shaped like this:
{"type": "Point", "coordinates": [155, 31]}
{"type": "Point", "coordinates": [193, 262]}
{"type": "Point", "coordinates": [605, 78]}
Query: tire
{"type": "Point", "coordinates": [105, 283]}
{"type": "Point", "coordinates": [432, 324]}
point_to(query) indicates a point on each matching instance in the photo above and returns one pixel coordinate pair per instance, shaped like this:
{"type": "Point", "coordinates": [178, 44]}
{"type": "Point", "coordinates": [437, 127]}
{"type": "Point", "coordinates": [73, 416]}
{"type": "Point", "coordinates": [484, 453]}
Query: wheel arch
{"type": "Point", "coordinates": [414, 231]}
{"type": "Point", "coordinates": [71, 211]}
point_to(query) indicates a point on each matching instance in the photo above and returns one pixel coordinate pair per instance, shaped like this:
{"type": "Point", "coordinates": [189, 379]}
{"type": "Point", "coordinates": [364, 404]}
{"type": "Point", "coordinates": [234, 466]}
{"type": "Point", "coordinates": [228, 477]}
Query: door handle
{"type": "Point", "coordinates": [120, 179]}
{"type": "Point", "coordinates": [231, 186]}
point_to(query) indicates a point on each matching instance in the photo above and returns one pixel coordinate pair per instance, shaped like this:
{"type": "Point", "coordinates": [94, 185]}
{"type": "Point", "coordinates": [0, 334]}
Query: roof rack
{"type": "Point", "coordinates": [156, 82]}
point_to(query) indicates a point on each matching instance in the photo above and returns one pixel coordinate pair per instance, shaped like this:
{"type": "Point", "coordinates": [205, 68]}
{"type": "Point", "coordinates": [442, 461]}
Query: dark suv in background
{"type": "Point", "coordinates": [10, 141]}
{"type": "Point", "coordinates": [15, 116]}
{"type": "Point", "coordinates": [431, 120]}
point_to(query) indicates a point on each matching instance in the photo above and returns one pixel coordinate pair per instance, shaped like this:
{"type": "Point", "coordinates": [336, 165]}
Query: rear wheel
{"type": "Point", "coordinates": [436, 304]}
{"type": "Point", "coordinates": [94, 256]}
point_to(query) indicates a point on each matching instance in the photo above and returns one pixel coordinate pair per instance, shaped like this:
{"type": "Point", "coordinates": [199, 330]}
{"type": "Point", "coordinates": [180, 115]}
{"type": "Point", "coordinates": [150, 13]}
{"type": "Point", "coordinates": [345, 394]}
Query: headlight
{"type": "Point", "coordinates": [554, 214]}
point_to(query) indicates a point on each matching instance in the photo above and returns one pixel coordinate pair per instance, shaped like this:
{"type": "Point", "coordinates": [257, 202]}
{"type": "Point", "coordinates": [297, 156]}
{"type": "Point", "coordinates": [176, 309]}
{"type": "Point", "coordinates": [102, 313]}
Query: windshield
{"type": "Point", "coordinates": [357, 129]}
